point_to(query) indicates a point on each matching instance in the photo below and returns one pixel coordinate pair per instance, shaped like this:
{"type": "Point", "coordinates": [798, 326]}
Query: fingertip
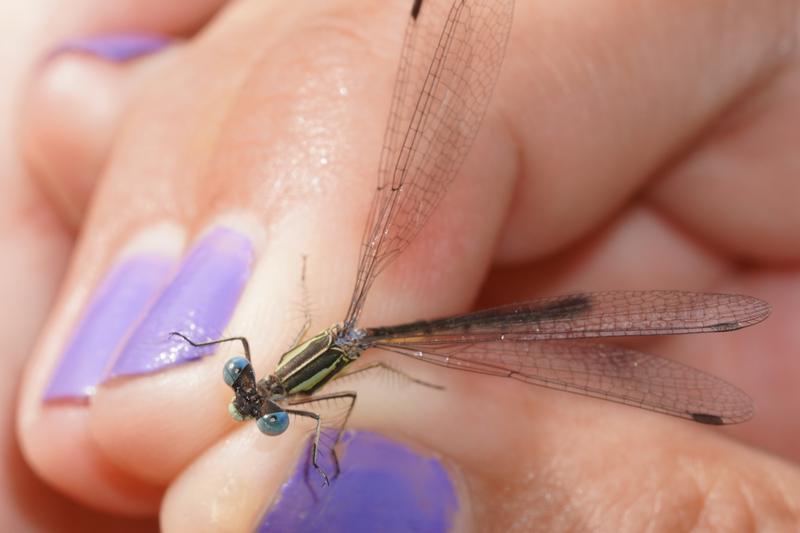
{"type": "Point", "coordinates": [72, 464]}
{"type": "Point", "coordinates": [231, 483]}
{"type": "Point", "coordinates": [68, 121]}
{"type": "Point", "coordinates": [382, 485]}
{"type": "Point", "coordinates": [160, 434]}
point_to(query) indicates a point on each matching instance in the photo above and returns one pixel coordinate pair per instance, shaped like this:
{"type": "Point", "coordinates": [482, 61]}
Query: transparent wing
{"type": "Point", "coordinates": [450, 59]}
{"type": "Point", "coordinates": [601, 371]}
{"type": "Point", "coordinates": [585, 315]}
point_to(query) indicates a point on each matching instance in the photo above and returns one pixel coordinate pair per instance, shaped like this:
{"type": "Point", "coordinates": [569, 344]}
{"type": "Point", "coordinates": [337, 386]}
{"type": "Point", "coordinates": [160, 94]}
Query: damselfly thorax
{"type": "Point", "coordinates": [311, 364]}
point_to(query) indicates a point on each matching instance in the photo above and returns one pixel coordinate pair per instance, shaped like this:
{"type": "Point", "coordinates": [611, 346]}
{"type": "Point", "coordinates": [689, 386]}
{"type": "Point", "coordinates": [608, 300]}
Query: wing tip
{"type": "Point", "coordinates": [721, 420]}
{"type": "Point", "coordinates": [757, 311]}
{"type": "Point", "coordinates": [707, 418]}
{"type": "Point", "coordinates": [727, 326]}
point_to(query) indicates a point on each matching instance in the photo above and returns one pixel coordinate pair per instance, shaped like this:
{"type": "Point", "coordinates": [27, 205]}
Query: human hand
{"type": "Point", "coordinates": [600, 165]}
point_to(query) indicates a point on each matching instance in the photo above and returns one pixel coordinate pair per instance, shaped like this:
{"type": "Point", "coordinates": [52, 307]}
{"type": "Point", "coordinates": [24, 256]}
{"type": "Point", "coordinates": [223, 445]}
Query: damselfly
{"type": "Point", "coordinates": [450, 60]}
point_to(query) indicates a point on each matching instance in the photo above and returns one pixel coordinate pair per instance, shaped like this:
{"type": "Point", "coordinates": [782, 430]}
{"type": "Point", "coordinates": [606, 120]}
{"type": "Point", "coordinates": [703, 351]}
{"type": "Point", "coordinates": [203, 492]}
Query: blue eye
{"type": "Point", "coordinates": [273, 423]}
{"type": "Point", "coordinates": [234, 412]}
{"type": "Point", "coordinates": [233, 369]}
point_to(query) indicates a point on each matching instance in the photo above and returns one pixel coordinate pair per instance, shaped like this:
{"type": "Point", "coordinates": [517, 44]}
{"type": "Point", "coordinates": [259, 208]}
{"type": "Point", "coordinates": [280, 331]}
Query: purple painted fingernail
{"type": "Point", "coordinates": [382, 486]}
{"type": "Point", "coordinates": [118, 302]}
{"type": "Point", "coordinates": [117, 47]}
{"type": "Point", "coordinates": [198, 302]}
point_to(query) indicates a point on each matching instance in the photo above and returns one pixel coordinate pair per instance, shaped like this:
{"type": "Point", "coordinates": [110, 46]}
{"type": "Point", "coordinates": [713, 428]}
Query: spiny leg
{"type": "Point", "coordinates": [243, 340]}
{"type": "Point", "coordinates": [315, 441]}
{"type": "Point", "coordinates": [302, 333]}
{"type": "Point", "coordinates": [390, 369]}
{"type": "Point", "coordinates": [306, 308]}
{"type": "Point", "coordinates": [349, 396]}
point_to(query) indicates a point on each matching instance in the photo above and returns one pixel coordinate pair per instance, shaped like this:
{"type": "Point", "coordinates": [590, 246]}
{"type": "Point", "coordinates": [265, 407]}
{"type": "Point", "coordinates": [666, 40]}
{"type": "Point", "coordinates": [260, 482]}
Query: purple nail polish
{"type": "Point", "coordinates": [118, 303]}
{"type": "Point", "coordinates": [382, 486]}
{"type": "Point", "coordinates": [117, 47]}
{"type": "Point", "coordinates": [198, 302]}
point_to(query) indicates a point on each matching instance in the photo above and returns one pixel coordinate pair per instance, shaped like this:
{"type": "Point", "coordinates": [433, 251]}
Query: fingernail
{"type": "Point", "coordinates": [118, 302]}
{"type": "Point", "coordinates": [198, 302]}
{"type": "Point", "coordinates": [116, 47]}
{"type": "Point", "coordinates": [382, 486]}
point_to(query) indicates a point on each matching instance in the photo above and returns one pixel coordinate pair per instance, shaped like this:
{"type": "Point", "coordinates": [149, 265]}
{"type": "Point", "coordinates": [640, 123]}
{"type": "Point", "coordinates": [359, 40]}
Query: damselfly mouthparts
{"type": "Point", "coordinates": [450, 60]}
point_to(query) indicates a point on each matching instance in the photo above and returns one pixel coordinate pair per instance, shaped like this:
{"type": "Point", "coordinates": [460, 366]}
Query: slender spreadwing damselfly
{"type": "Point", "coordinates": [449, 62]}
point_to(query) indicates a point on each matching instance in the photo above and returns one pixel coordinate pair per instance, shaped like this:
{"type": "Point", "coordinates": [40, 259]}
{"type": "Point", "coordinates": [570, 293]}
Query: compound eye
{"type": "Point", "coordinates": [235, 413]}
{"type": "Point", "coordinates": [233, 369]}
{"type": "Point", "coordinates": [273, 423]}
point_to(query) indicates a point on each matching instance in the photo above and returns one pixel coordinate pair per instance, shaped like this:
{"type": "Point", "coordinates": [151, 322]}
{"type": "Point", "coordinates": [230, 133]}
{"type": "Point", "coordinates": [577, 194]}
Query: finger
{"type": "Point", "coordinates": [81, 18]}
{"type": "Point", "coordinates": [615, 103]}
{"type": "Point", "coordinates": [93, 56]}
{"type": "Point", "coordinates": [684, 218]}
{"type": "Point", "coordinates": [520, 458]}
{"type": "Point", "coordinates": [35, 246]}
{"type": "Point", "coordinates": [735, 189]}
{"type": "Point", "coordinates": [71, 113]}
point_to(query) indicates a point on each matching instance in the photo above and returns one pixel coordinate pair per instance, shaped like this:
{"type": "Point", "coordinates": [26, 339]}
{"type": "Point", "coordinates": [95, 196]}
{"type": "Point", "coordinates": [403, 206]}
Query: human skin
{"type": "Point", "coordinates": [36, 243]}
{"type": "Point", "coordinates": [625, 147]}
